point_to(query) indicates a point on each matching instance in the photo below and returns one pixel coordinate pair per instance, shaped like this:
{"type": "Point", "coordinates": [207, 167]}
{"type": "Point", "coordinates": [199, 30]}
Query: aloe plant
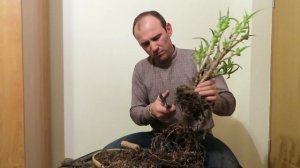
{"type": "Point", "coordinates": [215, 57]}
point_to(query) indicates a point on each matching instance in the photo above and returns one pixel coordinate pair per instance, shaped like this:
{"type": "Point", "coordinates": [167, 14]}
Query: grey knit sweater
{"type": "Point", "coordinates": [148, 81]}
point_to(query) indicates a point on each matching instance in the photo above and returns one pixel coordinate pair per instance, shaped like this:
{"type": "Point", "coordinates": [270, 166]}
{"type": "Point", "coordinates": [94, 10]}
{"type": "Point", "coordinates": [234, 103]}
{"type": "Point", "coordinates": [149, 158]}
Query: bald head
{"type": "Point", "coordinates": [139, 18]}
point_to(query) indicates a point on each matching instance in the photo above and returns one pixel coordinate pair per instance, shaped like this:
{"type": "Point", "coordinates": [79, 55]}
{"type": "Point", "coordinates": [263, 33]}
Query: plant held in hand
{"type": "Point", "coordinates": [214, 58]}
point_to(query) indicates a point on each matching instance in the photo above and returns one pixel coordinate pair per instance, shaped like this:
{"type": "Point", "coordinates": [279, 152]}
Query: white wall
{"type": "Point", "coordinates": [99, 53]}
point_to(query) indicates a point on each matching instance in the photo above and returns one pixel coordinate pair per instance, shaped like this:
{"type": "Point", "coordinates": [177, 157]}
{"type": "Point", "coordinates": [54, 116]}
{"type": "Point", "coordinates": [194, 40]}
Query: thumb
{"type": "Point", "coordinates": [165, 94]}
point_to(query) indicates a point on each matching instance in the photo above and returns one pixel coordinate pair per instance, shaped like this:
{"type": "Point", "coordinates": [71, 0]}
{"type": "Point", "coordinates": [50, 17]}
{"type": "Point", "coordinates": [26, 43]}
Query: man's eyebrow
{"type": "Point", "coordinates": [155, 37]}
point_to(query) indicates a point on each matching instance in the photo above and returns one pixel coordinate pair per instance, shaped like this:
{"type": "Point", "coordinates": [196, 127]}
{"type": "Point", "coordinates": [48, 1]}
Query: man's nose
{"type": "Point", "coordinates": [153, 46]}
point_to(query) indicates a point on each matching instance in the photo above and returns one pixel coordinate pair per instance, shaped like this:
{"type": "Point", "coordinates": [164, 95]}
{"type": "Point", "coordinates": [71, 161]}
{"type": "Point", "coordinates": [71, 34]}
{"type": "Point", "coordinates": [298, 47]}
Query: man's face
{"type": "Point", "coordinates": [154, 39]}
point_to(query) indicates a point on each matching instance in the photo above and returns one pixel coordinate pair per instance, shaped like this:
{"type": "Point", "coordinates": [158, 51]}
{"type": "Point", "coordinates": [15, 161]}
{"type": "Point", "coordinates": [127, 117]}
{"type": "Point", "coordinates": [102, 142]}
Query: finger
{"type": "Point", "coordinates": [163, 98]}
{"type": "Point", "coordinates": [206, 83]}
{"type": "Point", "coordinates": [165, 94]}
{"type": "Point", "coordinates": [211, 98]}
{"type": "Point", "coordinates": [208, 93]}
{"type": "Point", "coordinates": [206, 90]}
{"type": "Point", "coordinates": [210, 86]}
{"type": "Point", "coordinates": [172, 108]}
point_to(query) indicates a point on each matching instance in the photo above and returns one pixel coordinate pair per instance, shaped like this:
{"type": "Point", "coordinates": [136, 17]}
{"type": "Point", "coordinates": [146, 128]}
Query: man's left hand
{"type": "Point", "coordinates": [208, 90]}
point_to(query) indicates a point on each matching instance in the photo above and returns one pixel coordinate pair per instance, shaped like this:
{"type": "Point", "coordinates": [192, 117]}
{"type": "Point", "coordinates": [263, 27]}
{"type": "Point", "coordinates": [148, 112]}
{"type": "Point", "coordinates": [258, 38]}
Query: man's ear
{"type": "Point", "coordinates": [169, 29]}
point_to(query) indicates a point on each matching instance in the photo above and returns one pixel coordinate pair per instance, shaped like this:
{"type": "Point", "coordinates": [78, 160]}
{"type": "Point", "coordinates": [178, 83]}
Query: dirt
{"type": "Point", "coordinates": [176, 147]}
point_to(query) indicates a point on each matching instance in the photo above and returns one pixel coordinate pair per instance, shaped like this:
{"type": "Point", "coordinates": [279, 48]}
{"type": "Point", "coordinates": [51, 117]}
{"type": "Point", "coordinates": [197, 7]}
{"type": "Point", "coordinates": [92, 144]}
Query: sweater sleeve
{"type": "Point", "coordinates": [224, 106]}
{"type": "Point", "coordinates": [139, 110]}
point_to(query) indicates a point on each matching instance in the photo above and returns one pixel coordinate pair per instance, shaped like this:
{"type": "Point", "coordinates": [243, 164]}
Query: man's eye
{"type": "Point", "coordinates": [145, 44]}
{"type": "Point", "coordinates": [156, 38]}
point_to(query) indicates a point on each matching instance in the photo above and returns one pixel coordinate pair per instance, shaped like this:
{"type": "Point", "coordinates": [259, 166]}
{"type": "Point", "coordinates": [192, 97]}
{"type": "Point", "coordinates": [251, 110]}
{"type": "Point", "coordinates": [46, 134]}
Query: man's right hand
{"type": "Point", "coordinates": [160, 110]}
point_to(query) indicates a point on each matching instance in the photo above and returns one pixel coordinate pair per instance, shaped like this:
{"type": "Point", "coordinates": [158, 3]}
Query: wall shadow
{"type": "Point", "coordinates": [236, 136]}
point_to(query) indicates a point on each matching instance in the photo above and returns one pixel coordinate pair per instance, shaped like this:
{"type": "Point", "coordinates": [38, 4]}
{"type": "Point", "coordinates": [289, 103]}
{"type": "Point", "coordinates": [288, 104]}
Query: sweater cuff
{"type": "Point", "coordinates": [148, 114]}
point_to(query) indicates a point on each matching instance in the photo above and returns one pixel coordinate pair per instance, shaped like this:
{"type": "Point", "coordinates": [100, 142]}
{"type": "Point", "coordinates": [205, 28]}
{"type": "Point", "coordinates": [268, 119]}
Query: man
{"type": "Point", "coordinates": [166, 68]}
